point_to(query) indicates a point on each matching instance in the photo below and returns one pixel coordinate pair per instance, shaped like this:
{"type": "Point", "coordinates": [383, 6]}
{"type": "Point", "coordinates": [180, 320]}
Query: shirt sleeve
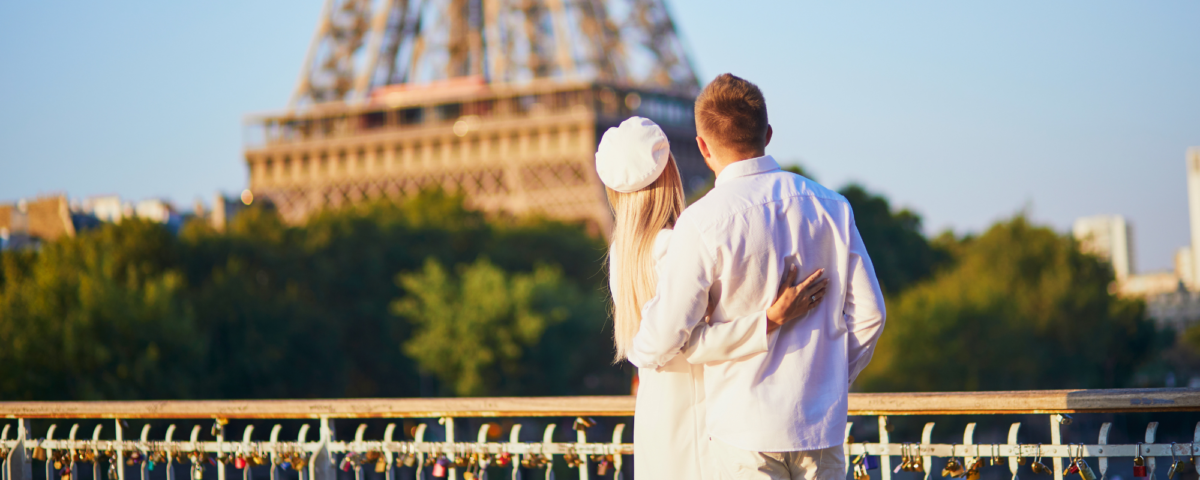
{"type": "Point", "coordinates": [728, 341]}
{"type": "Point", "coordinates": [684, 276]}
{"type": "Point", "coordinates": [864, 309]}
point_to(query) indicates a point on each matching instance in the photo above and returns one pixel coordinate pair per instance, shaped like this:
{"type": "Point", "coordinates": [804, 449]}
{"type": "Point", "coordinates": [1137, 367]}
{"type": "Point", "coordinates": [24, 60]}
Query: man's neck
{"type": "Point", "coordinates": [717, 163]}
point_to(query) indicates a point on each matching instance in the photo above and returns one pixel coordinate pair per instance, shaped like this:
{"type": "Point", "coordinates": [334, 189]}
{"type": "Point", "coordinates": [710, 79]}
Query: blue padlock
{"type": "Point", "coordinates": [870, 463]}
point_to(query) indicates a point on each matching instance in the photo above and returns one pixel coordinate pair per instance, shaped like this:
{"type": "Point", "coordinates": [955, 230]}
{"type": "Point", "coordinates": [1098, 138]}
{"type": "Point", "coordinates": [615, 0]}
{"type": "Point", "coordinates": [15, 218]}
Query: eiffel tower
{"type": "Point", "coordinates": [503, 101]}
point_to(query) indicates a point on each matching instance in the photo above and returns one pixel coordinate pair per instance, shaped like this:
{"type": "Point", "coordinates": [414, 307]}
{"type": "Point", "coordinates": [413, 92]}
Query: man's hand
{"type": "Point", "coordinates": [794, 301]}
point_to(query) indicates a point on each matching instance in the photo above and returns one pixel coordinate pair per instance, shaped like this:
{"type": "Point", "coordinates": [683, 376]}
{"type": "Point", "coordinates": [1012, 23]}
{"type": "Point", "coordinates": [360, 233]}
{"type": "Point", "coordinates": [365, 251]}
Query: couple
{"type": "Point", "coordinates": [744, 372]}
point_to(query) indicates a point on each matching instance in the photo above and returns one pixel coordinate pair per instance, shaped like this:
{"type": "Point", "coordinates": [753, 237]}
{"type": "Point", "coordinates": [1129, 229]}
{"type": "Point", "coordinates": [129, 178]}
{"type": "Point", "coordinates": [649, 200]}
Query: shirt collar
{"type": "Point", "coordinates": [745, 168]}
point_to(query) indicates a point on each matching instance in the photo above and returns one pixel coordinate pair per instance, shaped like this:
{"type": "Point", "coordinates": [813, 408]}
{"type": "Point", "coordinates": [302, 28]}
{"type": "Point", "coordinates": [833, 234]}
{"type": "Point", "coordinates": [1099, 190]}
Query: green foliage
{"type": "Point", "coordinates": [271, 310]}
{"type": "Point", "coordinates": [1021, 308]}
{"type": "Point", "coordinates": [429, 297]}
{"type": "Point", "coordinates": [472, 329]}
{"type": "Point", "coordinates": [898, 249]}
{"type": "Point", "coordinates": [96, 317]}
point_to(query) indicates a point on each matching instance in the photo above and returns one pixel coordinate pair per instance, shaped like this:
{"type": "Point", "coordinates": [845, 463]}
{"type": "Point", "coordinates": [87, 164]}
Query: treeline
{"type": "Point", "coordinates": [428, 298]}
{"type": "Point", "coordinates": [421, 299]}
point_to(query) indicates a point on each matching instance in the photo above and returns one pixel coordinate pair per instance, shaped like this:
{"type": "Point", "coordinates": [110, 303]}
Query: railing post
{"type": "Point", "coordinates": [143, 453]}
{"type": "Point", "coordinates": [388, 456]}
{"type": "Point", "coordinates": [50, 453]}
{"type": "Point", "coordinates": [514, 438]}
{"type": "Point", "coordinates": [547, 442]}
{"type": "Point", "coordinates": [71, 451]}
{"type": "Point", "coordinates": [18, 466]}
{"type": "Point", "coordinates": [358, 440]}
{"type": "Point", "coordinates": [120, 462]}
{"type": "Point", "coordinates": [927, 457]}
{"type": "Point", "coordinates": [245, 451]}
{"type": "Point", "coordinates": [170, 458]}
{"type": "Point", "coordinates": [581, 440]}
{"type": "Point", "coordinates": [301, 439]}
{"type": "Point", "coordinates": [1103, 440]}
{"type": "Point", "coordinates": [969, 439]}
{"type": "Point", "coordinates": [321, 467]}
{"type": "Point", "coordinates": [1151, 433]}
{"type": "Point", "coordinates": [449, 423]}
{"type": "Point", "coordinates": [220, 449]}
{"type": "Point", "coordinates": [1014, 449]}
{"type": "Point", "coordinates": [274, 457]}
{"type": "Point", "coordinates": [885, 461]}
{"type": "Point", "coordinates": [620, 431]}
{"type": "Point", "coordinates": [846, 447]}
{"type": "Point", "coordinates": [95, 449]}
{"type": "Point", "coordinates": [1056, 421]}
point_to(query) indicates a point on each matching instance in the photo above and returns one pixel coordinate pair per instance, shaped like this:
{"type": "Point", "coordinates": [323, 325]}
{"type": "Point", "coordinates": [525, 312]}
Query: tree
{"type": "Point", "coordinates": [1021, 308]}
{"type": "Point", "coordinates": [474, 329]}
{"type": "Point", "coordinates": [99, 316]}
{"type": "Point", "coordinates": [899, 250]}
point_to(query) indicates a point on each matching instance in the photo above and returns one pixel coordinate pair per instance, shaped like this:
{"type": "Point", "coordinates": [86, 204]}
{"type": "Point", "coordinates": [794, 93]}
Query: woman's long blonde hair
{"type": "Point", "coordinates": [639, 217]}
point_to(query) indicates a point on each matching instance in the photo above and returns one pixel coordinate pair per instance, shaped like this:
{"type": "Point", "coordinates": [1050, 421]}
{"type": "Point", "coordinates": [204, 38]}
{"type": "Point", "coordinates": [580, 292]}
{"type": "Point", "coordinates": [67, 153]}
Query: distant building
{"type": "Point", "coordinates": [1193, 182]}
{"type": "Point", "coordinates": [1172, 298]}
{"type": "Point", "coordinates": [26, 224]}
{"type": "Point", "coordinates": [107, 208]}
{"type": "Point", "coordinates": [1109, 237]}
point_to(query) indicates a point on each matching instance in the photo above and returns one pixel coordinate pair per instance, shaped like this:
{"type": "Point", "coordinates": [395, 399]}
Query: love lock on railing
{"type": "Point", "coordinates": [313, 460]}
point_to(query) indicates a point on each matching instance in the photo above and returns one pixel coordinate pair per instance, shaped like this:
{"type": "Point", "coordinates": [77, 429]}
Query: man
{"type": "Point", "coordinates": [779, 414]}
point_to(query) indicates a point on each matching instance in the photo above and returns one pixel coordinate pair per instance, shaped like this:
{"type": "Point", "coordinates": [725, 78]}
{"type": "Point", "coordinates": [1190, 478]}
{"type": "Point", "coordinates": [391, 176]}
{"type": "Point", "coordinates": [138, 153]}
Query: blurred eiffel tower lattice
{"type": "Point", "coordinates": [502, 101]}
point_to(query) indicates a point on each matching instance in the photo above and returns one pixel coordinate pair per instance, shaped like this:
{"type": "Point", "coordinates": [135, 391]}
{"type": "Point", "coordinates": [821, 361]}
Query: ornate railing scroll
{"type": "Point", "coordinates": [122, 454]}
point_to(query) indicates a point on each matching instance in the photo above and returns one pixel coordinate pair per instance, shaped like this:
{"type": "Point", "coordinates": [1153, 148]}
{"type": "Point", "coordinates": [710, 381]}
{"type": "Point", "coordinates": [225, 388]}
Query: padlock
{"type": "Point", "coordinates": [1040, 468]}
{"type": "Point", "coordinates": [870, 463]}
{"type": "Point", "coordinates": [239, 462]}
{"type": "Point", "coordinates": [1072, 469]}
{"type": "Point", "coordinates": [1085, 470]}
{"type": "Point", "coordinates": [602, 467]}
{"type": "Point", "coordinates": [439, 467]}
{"type": "Point", "coordinates": [1139, 467]}
{"type": "Point", "coordinates": [953, 468]}
{"type": "Point", "coordinates": [380, 466]}
{"type": "Point", "coordinates": [1176, 467]}
{"type": "Point", "coordinates": [504, 459]}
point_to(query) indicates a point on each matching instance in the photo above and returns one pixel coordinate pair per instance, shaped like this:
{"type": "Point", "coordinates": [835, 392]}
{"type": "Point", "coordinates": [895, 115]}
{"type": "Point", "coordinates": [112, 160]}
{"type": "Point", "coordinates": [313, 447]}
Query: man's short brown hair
{"type": "Point", "coordinates": [734, 112]}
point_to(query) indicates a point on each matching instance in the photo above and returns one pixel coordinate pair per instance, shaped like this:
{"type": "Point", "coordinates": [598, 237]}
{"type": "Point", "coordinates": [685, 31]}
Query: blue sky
{"type": "Point", "coordinates": [966, 112]}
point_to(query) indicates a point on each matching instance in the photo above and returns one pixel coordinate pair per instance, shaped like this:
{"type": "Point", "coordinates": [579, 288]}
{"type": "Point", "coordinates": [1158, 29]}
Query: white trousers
{"type": "Point", "coordinates": [732, 463]}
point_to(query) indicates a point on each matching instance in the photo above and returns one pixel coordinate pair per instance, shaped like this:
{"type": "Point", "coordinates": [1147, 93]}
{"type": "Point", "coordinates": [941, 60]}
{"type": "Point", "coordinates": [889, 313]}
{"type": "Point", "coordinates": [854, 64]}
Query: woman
{"type": "Point", "coordinates": [646, 195]}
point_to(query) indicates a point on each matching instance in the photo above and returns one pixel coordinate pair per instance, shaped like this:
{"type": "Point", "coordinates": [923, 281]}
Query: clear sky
{"type": "Point", "coordinates": [966, 112]}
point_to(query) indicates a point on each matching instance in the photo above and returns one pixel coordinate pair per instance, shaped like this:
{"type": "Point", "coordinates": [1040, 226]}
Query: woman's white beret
{"type": "Point", "coordinates": [632, 155]}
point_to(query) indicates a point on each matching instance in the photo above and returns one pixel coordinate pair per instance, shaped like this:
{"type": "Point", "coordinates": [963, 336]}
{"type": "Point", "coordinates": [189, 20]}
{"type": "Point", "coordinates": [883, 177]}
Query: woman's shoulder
{"type": "Point", "coordinates": [661, 242]}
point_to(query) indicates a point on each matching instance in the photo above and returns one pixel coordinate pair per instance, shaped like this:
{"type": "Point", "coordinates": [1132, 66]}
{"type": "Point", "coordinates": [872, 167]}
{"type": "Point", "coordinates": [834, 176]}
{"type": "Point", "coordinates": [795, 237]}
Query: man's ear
{"type": "Point", "coordinates": [703, 147]}
{"type": "Point", "coordinates": [769, 132]}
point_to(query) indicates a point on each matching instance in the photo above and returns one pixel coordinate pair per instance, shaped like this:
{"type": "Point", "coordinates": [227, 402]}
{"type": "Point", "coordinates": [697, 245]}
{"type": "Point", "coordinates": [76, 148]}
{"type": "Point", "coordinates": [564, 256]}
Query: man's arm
{"type": "Point", "coordinates": [864, 309]}
{"type": "Point", "coordinates": [685, 274]}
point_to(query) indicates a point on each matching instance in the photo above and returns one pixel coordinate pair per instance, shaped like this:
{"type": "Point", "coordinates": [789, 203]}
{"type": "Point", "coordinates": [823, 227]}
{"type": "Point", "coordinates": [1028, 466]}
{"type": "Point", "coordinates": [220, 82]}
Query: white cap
{"type": "Point", "coordinates": [632, 155]}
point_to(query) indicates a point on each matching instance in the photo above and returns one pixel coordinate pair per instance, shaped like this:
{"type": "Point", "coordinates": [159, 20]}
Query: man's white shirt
{"type": "Point", "coordinates": [735, 244]}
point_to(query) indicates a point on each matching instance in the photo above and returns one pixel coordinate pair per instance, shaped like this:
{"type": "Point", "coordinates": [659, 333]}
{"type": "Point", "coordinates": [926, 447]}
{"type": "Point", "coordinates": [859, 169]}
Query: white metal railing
{"type": "Point", "coordinates": [319, 456]}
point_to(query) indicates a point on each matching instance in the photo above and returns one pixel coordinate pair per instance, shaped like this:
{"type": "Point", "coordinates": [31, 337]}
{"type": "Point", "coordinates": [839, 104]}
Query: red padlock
{"type": "Point", "coordinates": [439, 467]}
{"type": "Point", "coordinates": [239, 463]}
{"type": "Point", "coordinates": [504, 459]}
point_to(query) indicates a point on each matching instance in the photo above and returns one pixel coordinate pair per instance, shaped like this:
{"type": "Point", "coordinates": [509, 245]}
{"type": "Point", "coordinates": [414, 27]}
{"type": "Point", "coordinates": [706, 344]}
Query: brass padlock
{"type": "Point", "coordinates": [1085, 470]}
{"type": "Point", "coordinates": [953, 468]}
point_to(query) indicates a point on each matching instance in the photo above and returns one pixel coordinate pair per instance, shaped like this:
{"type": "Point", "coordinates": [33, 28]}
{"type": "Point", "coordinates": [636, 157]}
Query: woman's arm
{"type": "Point", "coordinates": [750, 334]}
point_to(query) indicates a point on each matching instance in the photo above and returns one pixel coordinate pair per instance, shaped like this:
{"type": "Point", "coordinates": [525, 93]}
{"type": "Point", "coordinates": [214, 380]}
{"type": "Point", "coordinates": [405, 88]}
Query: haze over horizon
{"type": "Point", "coordinates": [965, 113]}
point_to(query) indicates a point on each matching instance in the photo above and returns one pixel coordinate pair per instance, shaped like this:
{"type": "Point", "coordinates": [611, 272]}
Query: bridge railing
{"type": "Point", "coordinates": [435, 451]}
